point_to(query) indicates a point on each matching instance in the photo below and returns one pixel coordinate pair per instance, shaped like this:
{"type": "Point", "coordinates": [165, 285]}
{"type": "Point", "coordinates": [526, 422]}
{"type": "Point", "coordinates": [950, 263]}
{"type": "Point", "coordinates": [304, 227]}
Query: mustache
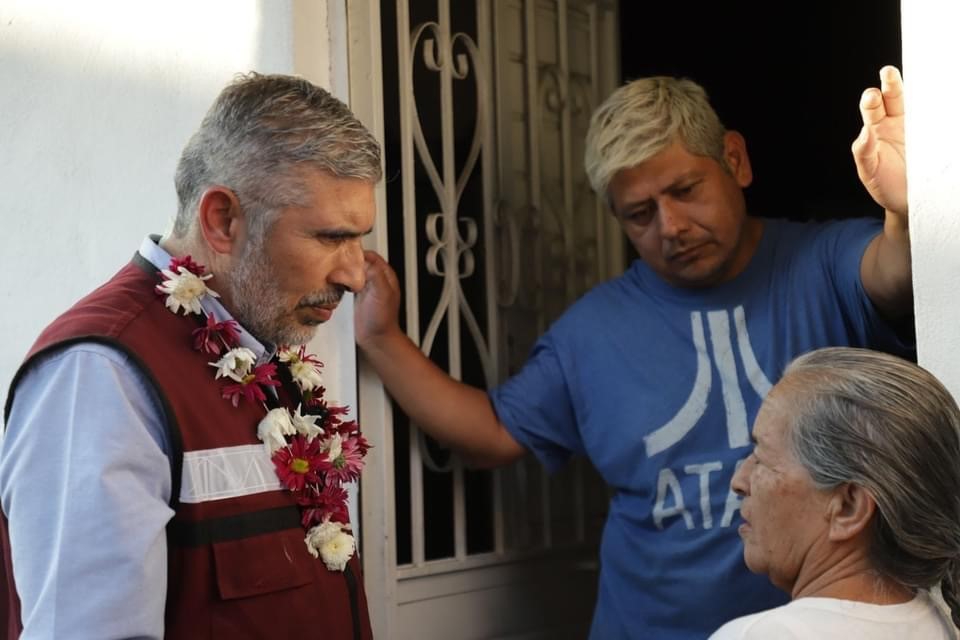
{"type": "Point", "coordinates": [321, 298]}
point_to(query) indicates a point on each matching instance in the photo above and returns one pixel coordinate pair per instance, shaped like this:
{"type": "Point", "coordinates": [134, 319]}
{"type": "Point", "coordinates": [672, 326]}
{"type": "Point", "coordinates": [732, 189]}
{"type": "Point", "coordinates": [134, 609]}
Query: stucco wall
{"type": "Point", "coordinates": [98, 99]}
{"type": "Point", "coordinates": [930, 52]}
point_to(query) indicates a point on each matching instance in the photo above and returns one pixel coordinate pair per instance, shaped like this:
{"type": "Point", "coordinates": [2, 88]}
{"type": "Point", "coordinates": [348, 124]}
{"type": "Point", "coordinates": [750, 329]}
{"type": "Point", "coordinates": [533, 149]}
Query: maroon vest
{"type": "Point", "coordinates": [238, 567]}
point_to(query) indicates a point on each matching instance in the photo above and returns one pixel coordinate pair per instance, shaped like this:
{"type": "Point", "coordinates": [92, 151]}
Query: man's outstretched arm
{"type": "Point", "coordinates": [455, 414]}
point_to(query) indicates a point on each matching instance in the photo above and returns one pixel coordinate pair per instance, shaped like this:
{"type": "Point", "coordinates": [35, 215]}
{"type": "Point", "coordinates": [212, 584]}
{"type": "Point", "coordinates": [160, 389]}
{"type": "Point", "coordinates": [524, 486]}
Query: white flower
{"type": "Point", "coordinates": [331, 543]}
{"type": "Point", "coordinates": [273, 429]}
{"type": "Point", "coordinates": [185, 289]}
{"type": "Point", "coordinates": [287, 354]}
{"type": "Point", "coordinates": [235, 364]}
{"type": "Point", "coordinates": [306, 424]}
{"type": "Point", "coordinates": [304, 369]}
{"type": "Point", "coordinates": [306, 374]}
{"type": "Point", "coordinates": [333, 447]}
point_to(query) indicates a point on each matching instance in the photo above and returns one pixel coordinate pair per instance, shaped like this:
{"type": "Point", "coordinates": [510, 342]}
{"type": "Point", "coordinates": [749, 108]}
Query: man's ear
{"type": "Point", "coordinates": [850, 511]}
{"type": "Point", "coordinates": [221, 219]}
{"type": "Point", "coordinates": [738, 161]}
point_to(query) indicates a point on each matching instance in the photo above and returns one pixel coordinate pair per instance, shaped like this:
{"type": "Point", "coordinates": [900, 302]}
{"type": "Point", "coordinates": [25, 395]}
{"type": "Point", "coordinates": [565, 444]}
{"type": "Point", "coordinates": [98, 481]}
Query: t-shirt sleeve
{"type": "Point", "coordinates": [841, 246]}
{"type": "Point", "coordinates": [535, 406]}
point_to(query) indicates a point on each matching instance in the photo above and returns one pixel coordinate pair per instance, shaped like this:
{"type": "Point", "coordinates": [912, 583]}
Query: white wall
{"type": "Point", "coordinates": [97, 100]}
{"type": "Point", "coordinates": [930, 52]}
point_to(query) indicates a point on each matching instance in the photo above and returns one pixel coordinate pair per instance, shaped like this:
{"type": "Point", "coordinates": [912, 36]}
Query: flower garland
{"type": "Point", "coordinates": [313, 450]}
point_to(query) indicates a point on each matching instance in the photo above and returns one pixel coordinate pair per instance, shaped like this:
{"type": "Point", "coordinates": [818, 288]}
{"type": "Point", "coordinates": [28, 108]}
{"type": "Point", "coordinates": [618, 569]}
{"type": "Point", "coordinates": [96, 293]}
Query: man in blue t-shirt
{"type": "Point", "coordinates": [656, 376]}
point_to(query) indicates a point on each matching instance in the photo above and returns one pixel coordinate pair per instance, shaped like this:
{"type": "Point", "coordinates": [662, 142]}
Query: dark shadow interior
{"type": "Point", "coordinates": [788, 76]}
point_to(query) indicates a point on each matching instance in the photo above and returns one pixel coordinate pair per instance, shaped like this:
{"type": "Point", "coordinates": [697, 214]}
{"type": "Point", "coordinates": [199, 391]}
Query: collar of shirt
{"type": "Point", "coordinates": [151, 250]}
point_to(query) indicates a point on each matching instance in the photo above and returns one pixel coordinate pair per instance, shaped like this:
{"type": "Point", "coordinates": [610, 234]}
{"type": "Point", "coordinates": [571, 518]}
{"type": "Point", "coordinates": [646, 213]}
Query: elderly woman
{"type": "Point", "coordinates": [851, 501]}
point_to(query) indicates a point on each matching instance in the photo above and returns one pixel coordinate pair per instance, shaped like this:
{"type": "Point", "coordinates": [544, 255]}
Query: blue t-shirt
{"type": "Point", "coordinates": [658, 386]}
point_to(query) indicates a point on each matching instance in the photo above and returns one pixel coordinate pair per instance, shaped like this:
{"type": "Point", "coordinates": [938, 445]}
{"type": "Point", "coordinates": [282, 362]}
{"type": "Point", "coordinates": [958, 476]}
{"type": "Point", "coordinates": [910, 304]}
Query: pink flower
{"type": "Point", "coordinates": [250, 386]}
{"type": "Point", "coordinates": [351, 430]}
{"type": "Point", "coordinates": [298, 464]}
{"type": "Point", "coordinates": [209, 338]}
{"type": "Point", "coordinates": [344, 460]}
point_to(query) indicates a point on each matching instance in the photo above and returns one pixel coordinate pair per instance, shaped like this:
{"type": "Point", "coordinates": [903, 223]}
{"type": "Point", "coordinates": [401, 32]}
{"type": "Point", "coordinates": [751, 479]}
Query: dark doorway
{"type": "Point", "coordinates": [786, 75]}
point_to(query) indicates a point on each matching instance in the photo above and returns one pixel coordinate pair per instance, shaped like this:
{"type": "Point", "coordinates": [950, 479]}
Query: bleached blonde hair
{"type": "Point", "coordinates": [643, 117]}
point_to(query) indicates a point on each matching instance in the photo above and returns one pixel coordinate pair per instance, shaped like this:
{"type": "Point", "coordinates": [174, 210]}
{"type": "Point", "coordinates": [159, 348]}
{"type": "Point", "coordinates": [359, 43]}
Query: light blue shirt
{"type": "Point", "coordinates": [85, 484]}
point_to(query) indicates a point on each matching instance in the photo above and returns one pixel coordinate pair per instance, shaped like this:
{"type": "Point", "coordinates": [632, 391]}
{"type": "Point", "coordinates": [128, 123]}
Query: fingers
{"type": "Point", "coordinates": [372, 257]}
{"type": "Point", "coordinates": [877, 104]}
{"type": "Point", "coordinates": [864, 150]}
{"type": "Point", "coordinates": [375, 266]}
{"type": "Point", "coordinates": [878, 150]}
{"type": "Point", "coordinates": [891, 85]}
{"type": "Point", "coordinates": [871, 107]}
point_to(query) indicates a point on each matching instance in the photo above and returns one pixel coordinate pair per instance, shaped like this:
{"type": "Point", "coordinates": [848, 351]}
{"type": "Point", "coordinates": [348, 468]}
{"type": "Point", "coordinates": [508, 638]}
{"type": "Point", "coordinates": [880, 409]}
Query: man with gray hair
{"type": "Point", "coordinates": [170, 468]}
{"type": "Point", "coordinates": [657, 375]}
{"type": "Point", "coordinates": [851, 501]}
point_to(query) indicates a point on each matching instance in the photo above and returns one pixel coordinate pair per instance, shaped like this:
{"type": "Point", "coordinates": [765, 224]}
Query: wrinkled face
{"type": "Point", "coordinates": [685, 214]}
{"type": "Point", "coordinates": [290, 281]}
{"type": "Point", "coordinates": [785, 515]}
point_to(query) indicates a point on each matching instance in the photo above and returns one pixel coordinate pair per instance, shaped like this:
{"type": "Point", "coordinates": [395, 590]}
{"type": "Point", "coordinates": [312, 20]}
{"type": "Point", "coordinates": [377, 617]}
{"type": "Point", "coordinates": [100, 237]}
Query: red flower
{"type": "Point", "coordinates": [187, 263]}
{"type": "Point", "coordinates": [251, 386]}
{"type": "Point", "coordinates": [329, 414]}
{"type": "Point", "coordinates": [345, 429]}
{"type": "Point", "coordinates": [328, 504]}
{"type": "Point", "coordinates": [209, 339]}
{"type": "Point", "coordinates": [363, 445]}
{"type": "Point", "coordinates": [298, 464]}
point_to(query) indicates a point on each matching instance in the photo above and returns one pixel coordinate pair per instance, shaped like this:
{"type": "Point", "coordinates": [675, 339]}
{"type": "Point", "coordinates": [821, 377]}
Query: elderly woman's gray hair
{"type": "Point", "coordinates": [642, 118]}
{"type": "Point", "coordinates": [259, 136]}
{"type": "Point", "coordinates": [889, 426]}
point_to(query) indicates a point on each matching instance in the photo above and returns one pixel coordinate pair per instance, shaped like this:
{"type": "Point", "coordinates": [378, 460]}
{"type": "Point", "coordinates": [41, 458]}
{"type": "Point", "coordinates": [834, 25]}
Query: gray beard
{"type": "Point", "coordinates": [258, 306]}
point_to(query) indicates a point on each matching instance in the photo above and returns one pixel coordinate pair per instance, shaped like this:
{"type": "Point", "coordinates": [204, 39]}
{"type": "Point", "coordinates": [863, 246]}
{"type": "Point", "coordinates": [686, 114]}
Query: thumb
{"type": "Point", "coordinates": [864, 150]}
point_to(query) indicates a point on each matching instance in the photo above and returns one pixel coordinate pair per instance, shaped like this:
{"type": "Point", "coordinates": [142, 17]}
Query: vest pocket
{"type": "Point", "coordinates": [266, 586]}
{"type": "Point", "coordinates": [262, 564]}
{"type": "Point", "coordinates": [269, 586]}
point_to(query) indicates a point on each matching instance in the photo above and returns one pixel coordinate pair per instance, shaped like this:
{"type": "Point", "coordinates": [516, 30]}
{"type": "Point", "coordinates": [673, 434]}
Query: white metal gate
{"type": "Point", "coordinates": [495, 231]}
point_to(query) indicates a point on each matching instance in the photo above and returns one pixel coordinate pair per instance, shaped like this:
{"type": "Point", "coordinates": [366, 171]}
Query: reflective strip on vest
{"type": "Point", "coordinates": [227, 472]}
